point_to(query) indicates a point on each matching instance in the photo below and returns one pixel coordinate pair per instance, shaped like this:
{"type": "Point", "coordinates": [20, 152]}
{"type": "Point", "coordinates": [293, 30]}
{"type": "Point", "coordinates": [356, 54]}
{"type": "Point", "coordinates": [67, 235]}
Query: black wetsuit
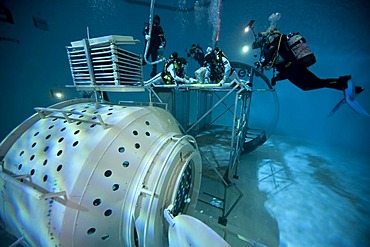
{"type": "Point", "coordinates": [295, 71]}
{"type": "Point", "coordinates": [157, 39]}
{"type": "Point", "coordinates": [197, 53]}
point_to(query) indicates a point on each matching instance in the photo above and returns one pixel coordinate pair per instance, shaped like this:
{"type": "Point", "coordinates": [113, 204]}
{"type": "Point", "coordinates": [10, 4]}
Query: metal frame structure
{"type": "Point", "coordinates": [241, 96]}
{"type": "Point", "coordinates": [100, 65]}
{"type": "Point", "coordinates": [242, 139]}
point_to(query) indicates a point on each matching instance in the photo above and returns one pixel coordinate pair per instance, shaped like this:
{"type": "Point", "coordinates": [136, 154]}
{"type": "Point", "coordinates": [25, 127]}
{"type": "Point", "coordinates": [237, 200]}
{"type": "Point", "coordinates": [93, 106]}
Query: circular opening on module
{"type": "Point", "coordinates": [184, 190]}
{"type": "Point", "coordinates": [75, 143]}
{"type": "Point", "coordinates": [135, 133]}
{"type": "Point", "coordinates": [147, 123]}
{"type": "Point", "coordinates": [108, 173]}
{"type": "Point", "coordinates": [76, 132]}
{"type": "Point", "coordinates": [36, 133]}
{"type": "Point", "coordinates": [108, 212]}
{"type": "Point", "coordinates": [115, 187]}
{"type": "Point", "coordinates": [46, 148]}
{"type": "Point", "coordinates": [47, 137]}
{"type": "Point", "coordinates": [45, 162]}
{"type": "Point", "coordinates": [137, 145]}
{"type": "Point", "coordinates": [61, 139]}
{"type": "Point", "coordinates": [32, 172]}
{"type": "Point", "coordinates": [125, 163]}
{"type": "Point", "coordinates": [21, 153]}
{"type": "Point", "coordinates": [19, 166]}
{"type": "Point", "coordinates": [62, 129]}
{"type": "Point", "coordinates": [59, 168]}
{"type": "Point", "coordinates": [97, 202]}
{"type": "Point", "coordinates": [121, 149]}
{"type": "Point", "coordinates": [147, 133]}
{"type": "Point", "coordinates": [59, 152]}
{"type": "Point", "coordinates": [105, 237]}
{"type": "Point", "coordinates": [91, 231]}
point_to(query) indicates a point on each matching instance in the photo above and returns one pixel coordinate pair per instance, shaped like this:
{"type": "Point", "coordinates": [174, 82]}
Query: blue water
{"type": "Point", "coordinates": [336, 182]}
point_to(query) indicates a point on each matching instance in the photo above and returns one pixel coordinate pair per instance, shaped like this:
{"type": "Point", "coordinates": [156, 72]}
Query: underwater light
{"type": "Point", "coordinates": [245, 49]}
{"type": "Point", "coordinates": [249, 26]}
{"type": "Point", "coordinates": [59, 95]}
{"type": "Point", "coordinates": [56, 93]}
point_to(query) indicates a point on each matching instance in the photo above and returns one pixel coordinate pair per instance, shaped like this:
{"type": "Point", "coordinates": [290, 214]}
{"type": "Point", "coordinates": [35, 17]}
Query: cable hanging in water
{"type": "Point", "coordinates": [150, 35]}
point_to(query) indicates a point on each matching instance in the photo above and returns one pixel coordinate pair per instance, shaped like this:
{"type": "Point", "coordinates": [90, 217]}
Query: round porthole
{"type": "Point", "coordinates": [115, 187]}
{"type": "Point", "coordinates": [125, 163]}
{"type": "Point", "coordinates": [108, 173]}
{"type": "Point", "coordinates": [91, 231]}
{"type": "Point", "coordinates": [97, 202]}
{"type": "Point", "coordinates": [108, 212]}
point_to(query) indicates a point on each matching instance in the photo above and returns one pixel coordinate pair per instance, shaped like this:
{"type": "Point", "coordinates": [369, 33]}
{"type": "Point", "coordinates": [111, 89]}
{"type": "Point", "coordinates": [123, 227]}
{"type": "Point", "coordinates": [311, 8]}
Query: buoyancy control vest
{"type": "Point", "coordinates": [179, 67]}
{"type": "Point", "coordinates": [166, 75]}
{"type": "Point", "coordinates": [216, 64]}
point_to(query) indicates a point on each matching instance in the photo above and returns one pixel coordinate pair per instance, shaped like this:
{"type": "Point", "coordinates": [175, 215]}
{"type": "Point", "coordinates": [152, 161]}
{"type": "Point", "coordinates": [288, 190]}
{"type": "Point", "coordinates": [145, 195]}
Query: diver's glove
{"type": "Point", "coordinates": [224, 79]}
{"type": "Point", "coordinates": [163, 44]}
{"type": "Point", "coordinates": [192, 80]}
{"type": "Point", "coordinates": [258, 65]}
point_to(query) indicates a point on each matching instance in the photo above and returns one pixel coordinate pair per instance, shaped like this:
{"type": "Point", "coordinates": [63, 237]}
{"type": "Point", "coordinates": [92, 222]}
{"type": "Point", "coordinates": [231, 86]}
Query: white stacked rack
{"type": "Point", "coordinates": [100, 64]}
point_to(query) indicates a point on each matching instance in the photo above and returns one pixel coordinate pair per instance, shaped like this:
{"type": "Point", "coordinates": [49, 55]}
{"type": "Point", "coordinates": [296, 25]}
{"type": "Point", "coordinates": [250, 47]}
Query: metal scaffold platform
{"type": "Point", "coordinates": [218, 119]}
{"type": "Point", "coordinates": [216, 116]}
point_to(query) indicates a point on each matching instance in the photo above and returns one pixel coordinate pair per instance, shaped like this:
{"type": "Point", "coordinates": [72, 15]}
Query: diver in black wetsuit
{"type": "Point", "coordinates": [277, 51]}
{"type": "Point", "coordinates": [157, 41]}
{"type": "Point", "coordinates": [197, 53]}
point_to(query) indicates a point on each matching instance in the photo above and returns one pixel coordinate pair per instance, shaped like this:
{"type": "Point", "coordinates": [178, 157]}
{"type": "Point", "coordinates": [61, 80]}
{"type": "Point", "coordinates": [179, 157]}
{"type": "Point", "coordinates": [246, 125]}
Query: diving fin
{"type": "Point", "coordinates": [336, 107]}
{"type": "Point", "coordinates": [349, 97]}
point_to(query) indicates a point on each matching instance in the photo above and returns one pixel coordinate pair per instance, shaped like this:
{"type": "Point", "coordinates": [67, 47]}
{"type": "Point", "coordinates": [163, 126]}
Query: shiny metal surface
{"type": "Point", "coordinates": [77, 175]}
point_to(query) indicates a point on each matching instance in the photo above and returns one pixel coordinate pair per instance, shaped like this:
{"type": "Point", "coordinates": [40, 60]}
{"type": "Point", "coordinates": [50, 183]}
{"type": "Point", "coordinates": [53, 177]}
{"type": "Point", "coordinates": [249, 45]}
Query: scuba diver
{"type": "Point", "coordinates": [157, 41]}
{"type": "Point", "coordinates": [197, 53]}
{"type": "Point", "coordinates": [218, 68]}
{"type": "Point", "coordinates": [174, 70]}
{"type": "Point", "coordinates": [291, 57]}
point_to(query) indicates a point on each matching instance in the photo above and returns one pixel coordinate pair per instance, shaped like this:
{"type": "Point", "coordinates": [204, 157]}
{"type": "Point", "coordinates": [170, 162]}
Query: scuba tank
{"type": "Point", "coordinates": [297, 44]}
